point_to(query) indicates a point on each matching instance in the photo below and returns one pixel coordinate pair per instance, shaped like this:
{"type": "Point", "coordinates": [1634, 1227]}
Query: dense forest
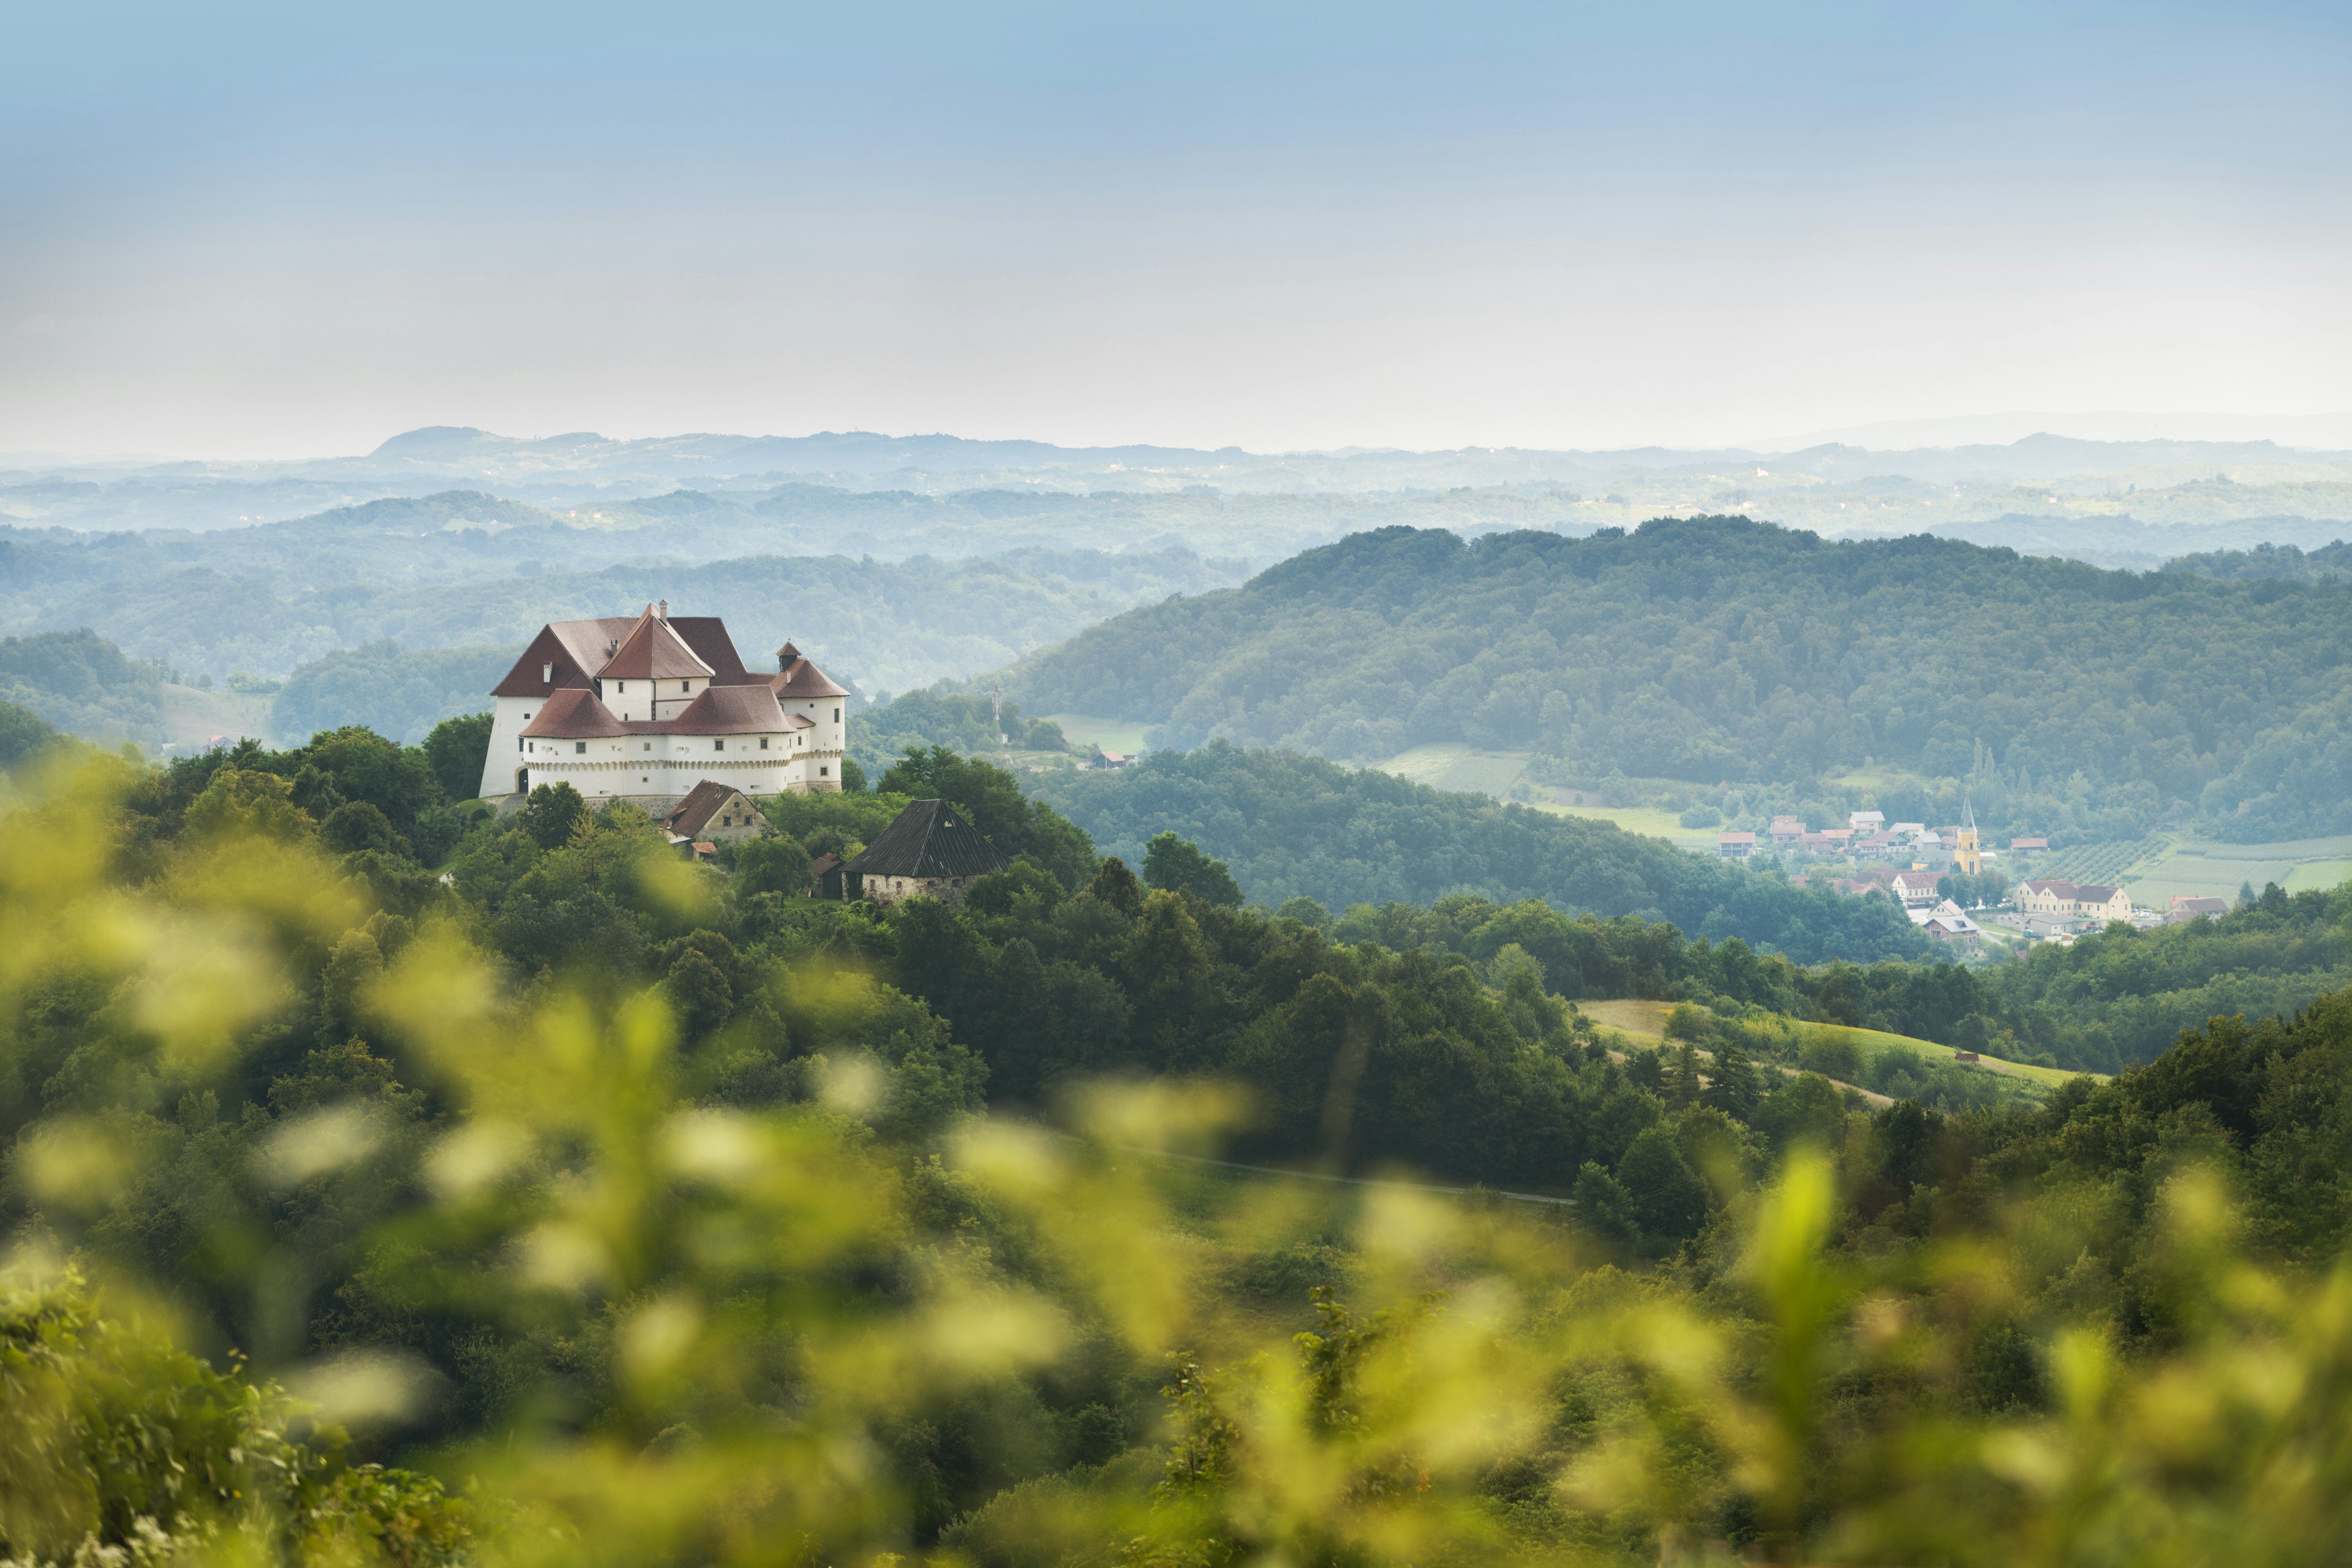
{"type": "Point", "coordinates": [79, 681]}
{"type": "Point", "coordinates": [1293, 826]}
{"type": "Point", "coordinates": [1712, 649]}
{"type": "Point", "coordinates": [609, 1206]}
{"type": "Point", "coordinates": [2328, 563]}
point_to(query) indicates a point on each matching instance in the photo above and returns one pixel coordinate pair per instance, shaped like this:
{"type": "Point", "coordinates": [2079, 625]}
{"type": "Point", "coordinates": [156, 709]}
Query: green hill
{"type": "Point", "coordinates": [2065, 698]}
{"type": "Point", "coordinates": [1292, 826]}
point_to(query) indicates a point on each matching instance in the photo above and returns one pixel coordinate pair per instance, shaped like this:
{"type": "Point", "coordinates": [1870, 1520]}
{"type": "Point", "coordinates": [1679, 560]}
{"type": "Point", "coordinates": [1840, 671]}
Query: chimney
{"type": "Point", "coordinates": [664, 616]}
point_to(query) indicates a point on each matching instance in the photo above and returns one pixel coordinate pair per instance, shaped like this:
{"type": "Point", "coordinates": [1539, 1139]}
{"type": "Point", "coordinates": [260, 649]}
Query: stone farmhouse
{"type": "Point", "coordinates": [644, 709]}
{"type": "Point", "coordinates": [714, 813]}
{"type": "Point", "coordinates": [927, 852]}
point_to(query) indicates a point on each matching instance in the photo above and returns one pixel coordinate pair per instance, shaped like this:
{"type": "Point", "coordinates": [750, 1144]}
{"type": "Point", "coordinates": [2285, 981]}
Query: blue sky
{"type": "Point", "coordinates": [284, 231]}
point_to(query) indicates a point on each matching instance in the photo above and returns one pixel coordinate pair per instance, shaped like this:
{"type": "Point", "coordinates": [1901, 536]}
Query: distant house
{"type": "Point", "coordinates": [1914, 889]}
{"type": "Point", "coordinates": [2102, 903]}
{"type": "Point", "coordinates": [1882, 846]}
{"type": "Point", "coordinates": [1102, 759]}
{"type": "Point", "coordinates": [1958, 930]}
{"type": "Point", "coordinates": [2059, 900]}
{"type": "Point", "coordinates": [2184, 909]}
{"type": "Point", "coordinates": [1786, 830]}
{"type": "Point", "coordinates": [929, 852]}
{"type": "Point", "coordinates": [1735, 846]}
{"type": "Point", "coordinates": [1946, 923]}
{"type": "Point", "coordinates": [2049, 896]}
{"type": "Point", "coordinates": [715, 811]}
{"type": "Point", "coordinates": [1863, 823]}
{"type": "Point", "coordinates": [2025, 848]}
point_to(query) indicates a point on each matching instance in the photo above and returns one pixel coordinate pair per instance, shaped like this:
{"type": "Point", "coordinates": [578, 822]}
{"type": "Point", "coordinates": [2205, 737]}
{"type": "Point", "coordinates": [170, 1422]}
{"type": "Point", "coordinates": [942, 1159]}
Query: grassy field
{"type": "Point", "coordinates": [192, 717]}
{"type": "Point", "coordinates": [1641, 819]}
{"type": "Point", "coordinates": [2189, 867]}
{"type": "Point", "coordinates": [1451, 765]}
{"type": "Point", "coordinates": [1646, 1022]}
{"type": "Point", "coordinates": [1122, 735]}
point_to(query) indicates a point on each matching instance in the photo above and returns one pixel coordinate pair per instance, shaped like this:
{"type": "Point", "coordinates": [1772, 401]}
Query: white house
{"type": "Point", "coordinates": [643, 708]}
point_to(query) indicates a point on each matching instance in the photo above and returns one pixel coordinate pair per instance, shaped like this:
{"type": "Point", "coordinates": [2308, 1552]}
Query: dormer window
{"type": "Point", "coordinates": [547, 675]}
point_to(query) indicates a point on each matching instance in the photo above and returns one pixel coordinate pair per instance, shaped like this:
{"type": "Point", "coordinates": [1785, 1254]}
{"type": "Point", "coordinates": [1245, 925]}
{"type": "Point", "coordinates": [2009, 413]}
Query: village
{"type": "Point", "coordinates": [1912, 864]}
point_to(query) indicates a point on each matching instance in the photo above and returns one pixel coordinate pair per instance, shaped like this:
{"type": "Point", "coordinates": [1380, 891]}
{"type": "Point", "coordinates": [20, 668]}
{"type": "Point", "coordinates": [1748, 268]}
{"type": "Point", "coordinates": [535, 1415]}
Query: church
{"type": "Point", "coordinates": [643, 708]}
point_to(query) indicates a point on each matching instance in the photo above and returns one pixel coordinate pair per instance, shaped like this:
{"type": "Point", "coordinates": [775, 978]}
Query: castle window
{"type": "Point", "coordinates": [620, 686]}
{"type": "Point", "coordinates": [763, 743]}
{"type": "Point", "coordinates": [649, 745]}
{"type": "Point", "coordinates": [580, 747]}
{"type": "Point", "coordinates": [686, 686]}
{"type": "Point", "coordinates": [822, 771]}
{"type": "Point", "coordinates": [718, 745]}
{"type": "Point", "coordinates": [518, 742]}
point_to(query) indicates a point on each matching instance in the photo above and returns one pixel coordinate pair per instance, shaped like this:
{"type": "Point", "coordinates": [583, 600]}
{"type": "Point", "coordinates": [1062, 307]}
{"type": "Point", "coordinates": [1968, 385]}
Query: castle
{"type": "Point", "coordinates": [643, 708]}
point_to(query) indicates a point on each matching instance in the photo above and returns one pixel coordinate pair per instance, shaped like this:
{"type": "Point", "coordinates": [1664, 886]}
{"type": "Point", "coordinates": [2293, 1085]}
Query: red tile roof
{"type": "Point", "coordinates": [652, 651]}
{"type": "Point", "coordinates": [733, 711]}
{"type": "Point", "coordinates": [574, 714]}
{"type": "Point", "coordinates": [800, 680]}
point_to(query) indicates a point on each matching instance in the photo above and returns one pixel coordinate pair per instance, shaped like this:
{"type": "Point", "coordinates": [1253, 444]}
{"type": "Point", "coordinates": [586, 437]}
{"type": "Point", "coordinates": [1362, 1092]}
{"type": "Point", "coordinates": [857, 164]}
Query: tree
{"type": "Point", "coordinates": [1116, 886]}
{"type": "Point", "coordinates": [1731, 1082]}
{"type": "Point", "coordinates": [1667, 1198]}
{"type": "Point", "coordinates": [457, 749]}
{"type": "Point", "coordinates": [359, 825]}
{"type": "Point", "coordinates": [550, 813]}
{"type": "Point", "coordinates": [24, 734]}
{"type": "Point", "coordinates": [771, 863]}
{"type": "Point", "coordinates": [1177, 865]}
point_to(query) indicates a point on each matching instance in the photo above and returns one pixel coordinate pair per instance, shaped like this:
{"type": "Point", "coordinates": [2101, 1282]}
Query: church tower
{"type": "Point", "coordinates": [1965, 854]}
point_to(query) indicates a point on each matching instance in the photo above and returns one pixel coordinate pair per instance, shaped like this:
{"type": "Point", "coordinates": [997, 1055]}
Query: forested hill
{"type": "Point", "coordinates": [1292, 826]}
{"type": "Point", "coordinates": [1718, 649]}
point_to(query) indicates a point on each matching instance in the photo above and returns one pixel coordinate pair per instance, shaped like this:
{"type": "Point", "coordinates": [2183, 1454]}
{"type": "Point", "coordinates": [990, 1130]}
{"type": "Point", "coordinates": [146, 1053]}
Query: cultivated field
{"type": "Point", "coordinates": [1646, 1022]}
{"type": "Point", "coordinates": [1122, 735]}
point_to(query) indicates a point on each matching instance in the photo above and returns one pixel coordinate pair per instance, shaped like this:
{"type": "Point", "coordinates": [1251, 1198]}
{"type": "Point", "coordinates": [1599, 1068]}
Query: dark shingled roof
{"type": "Point", "coordinates": [928, 840]}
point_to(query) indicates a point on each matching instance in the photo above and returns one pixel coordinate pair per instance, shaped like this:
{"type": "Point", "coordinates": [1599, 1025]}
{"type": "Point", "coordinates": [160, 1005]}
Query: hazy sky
{"type": "Point", "coordinates": [259, 232]}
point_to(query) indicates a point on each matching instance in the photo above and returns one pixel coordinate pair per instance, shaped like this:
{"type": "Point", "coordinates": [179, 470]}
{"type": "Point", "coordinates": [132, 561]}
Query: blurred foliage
{"type": "Point", "coordinates": [534, 1218]}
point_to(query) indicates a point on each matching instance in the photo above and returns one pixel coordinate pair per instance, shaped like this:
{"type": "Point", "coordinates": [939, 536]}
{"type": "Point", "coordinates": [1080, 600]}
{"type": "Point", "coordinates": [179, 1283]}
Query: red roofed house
{"type": "Point", "coordinates": [1788, 830]}
{"type": "Point", "coordinates": [643, 709]}
{"type": "Point", "coordinates": [1735, 846]}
